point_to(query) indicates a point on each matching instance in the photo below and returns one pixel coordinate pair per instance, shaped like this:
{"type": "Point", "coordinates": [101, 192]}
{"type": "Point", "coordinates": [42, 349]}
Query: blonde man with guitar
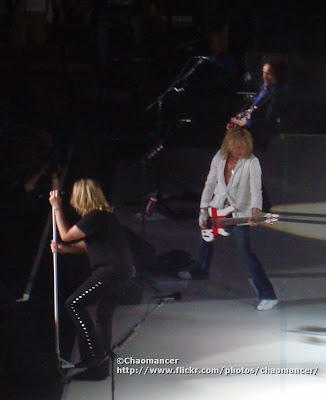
{"type": "Point", "coordinates": [234, 183]}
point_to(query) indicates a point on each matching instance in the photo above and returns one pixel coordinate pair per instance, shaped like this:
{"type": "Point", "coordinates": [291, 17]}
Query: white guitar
{"type": "Point", "coordinates": [218, 220]}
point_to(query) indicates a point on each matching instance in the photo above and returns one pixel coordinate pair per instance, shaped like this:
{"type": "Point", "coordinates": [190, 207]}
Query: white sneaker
{"type": "Point", "coordinates": [266, 305]}
{"type": "Point", "coordinates": [184, 274]}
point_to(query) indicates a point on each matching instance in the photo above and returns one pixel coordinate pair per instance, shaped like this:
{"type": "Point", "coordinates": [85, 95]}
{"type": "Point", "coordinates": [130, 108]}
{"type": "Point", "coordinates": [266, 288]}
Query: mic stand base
{"type": "Point", "coordinates": [64, 368]}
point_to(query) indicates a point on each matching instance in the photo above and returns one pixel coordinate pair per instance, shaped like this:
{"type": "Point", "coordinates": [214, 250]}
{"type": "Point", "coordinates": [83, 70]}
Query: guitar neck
{"type": "Point", "coordinates": [236, 221]}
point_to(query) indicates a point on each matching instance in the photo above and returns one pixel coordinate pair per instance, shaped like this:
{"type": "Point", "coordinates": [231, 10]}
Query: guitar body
{"type": "Point", "coordinates": [218, 220]}
{"type": "Point", "coordinates": [213, 228]}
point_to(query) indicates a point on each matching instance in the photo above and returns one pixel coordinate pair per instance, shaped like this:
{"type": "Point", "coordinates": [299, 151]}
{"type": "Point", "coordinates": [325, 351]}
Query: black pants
{"type": "Point", "coordinates": [94, 329]}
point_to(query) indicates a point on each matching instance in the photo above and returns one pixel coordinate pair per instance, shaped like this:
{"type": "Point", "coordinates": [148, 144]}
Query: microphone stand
{"type": "Point", "coordinates": [152, 154]}
{"type": "Point", "coordinates": [63, 364]}
{"type": "Point", "coordinates": [184, 74]}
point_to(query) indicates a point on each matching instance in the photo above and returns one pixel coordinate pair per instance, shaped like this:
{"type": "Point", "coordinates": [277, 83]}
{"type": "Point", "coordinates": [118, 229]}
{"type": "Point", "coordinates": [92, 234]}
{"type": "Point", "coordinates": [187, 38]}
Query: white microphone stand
{"type": "Point", "coordinates": [63, 364]}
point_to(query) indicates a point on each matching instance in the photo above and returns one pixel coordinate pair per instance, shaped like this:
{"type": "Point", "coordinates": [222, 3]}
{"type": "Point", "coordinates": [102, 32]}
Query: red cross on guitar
{"type": "Point", "coordinates": [218, 220]}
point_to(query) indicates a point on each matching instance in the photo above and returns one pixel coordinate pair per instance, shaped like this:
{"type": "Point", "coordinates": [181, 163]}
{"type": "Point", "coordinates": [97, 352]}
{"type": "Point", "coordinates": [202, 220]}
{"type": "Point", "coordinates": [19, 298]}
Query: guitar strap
{"type": "Point", "coordinates": [264, 99]}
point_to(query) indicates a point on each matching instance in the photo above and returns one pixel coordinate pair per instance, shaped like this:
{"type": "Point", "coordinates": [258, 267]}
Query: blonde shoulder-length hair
{"type": "Point", "coordinates": [234, 137]}
{"type": "Point", "coordinates": [87, 195]}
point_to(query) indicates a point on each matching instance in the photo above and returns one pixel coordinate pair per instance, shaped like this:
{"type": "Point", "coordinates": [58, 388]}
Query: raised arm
{"type": "Point", "coordinates": [67, 232]}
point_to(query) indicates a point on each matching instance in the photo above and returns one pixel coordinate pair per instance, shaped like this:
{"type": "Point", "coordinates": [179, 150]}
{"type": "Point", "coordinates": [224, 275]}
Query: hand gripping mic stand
{"type": "Point", "coordinates": [63, 364]}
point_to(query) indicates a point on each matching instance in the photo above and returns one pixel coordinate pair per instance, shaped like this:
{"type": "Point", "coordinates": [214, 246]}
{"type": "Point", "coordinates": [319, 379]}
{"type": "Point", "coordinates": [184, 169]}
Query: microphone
{"type": "Point", "coordinates": [174, 296]}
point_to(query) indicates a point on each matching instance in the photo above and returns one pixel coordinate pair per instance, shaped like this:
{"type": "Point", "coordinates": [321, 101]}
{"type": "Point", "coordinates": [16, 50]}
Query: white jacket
{"type": "Point", "coordinates": [244, 190]}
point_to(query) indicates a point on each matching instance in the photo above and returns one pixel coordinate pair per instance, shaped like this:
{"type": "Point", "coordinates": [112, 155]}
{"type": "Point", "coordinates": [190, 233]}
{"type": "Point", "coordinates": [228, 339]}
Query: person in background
{"type": "Point", "coordinates": [262, 115]}
{"type": "Point", "coordinates": [100, 234]}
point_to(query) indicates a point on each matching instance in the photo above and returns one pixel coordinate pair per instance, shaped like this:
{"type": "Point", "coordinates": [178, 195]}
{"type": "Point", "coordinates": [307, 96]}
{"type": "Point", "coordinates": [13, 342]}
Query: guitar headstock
{"type": "Point", "coordinates": [271, 218]}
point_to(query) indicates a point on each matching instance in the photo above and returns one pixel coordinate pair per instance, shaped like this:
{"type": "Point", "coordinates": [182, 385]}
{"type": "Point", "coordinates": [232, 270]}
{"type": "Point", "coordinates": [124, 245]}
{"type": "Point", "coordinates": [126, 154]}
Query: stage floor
{"type": "Point", "coordinates": [224, 347]}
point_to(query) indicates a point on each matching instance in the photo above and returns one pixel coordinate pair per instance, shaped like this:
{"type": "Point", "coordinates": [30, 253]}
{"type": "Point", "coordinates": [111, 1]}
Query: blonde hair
{"type": "Point", "coordinates": [87, 195]}
{"type": "Point", "coordinates": [234, 137]}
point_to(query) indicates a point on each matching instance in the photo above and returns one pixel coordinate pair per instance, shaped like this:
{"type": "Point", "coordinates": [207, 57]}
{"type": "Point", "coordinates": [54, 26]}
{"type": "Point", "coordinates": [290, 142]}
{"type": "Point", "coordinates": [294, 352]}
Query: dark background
{"type": "Point", "coordinates": [100, 113]}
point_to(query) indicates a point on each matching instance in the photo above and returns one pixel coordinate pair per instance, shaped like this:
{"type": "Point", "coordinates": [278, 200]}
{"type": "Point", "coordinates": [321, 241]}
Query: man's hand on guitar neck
{"type": "Point", "coordinates": [255, 212]}
{"type": "Point", "coordinates": [203, 218]}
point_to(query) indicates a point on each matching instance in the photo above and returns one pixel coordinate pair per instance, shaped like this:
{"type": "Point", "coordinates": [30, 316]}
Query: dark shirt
{"type": "Point", "coordinates": [264, 120]}
{"type": "Point", "coordinates": [266, 93]}
{"type": "Point", "coordinates": [263, 90]}
{"type": "Point", "coordinates": [105, 240]}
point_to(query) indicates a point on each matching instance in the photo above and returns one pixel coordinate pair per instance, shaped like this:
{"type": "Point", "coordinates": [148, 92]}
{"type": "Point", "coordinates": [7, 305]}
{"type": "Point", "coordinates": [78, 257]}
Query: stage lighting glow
{"type": "Point", "coordinates": [312, 218]}
{"type": "Point", "coordinates": [279, 387]}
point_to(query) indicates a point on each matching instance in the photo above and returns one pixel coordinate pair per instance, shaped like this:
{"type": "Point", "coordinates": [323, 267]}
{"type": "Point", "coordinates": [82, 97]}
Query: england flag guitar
{"type": "Point", "coordinates": [218, 219]}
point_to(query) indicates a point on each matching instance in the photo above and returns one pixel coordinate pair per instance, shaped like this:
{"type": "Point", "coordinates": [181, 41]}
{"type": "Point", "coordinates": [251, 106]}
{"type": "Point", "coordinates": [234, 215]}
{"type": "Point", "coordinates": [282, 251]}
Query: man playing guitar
{"type": "Point", "coordinates": [234, 180]}
{"type": "Point", "coordinates": [262, 117]}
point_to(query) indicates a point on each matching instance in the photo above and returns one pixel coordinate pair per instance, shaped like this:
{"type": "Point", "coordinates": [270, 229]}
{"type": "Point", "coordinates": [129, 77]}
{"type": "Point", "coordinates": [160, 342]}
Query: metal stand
{"type": "Point", "coordinates": [152, 155]}
{"type": "Point", "coordinates": [63, 364]}
{"type": "Point", "coordinates": [183, 75]}
{"type": "Point", "coordinates": [188, 69]}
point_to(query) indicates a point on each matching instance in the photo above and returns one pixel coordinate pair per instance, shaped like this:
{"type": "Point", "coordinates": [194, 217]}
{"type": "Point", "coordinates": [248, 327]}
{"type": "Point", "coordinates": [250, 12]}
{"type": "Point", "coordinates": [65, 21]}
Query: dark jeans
{"type": "Point", "coordinates": [241, 236]}
{"type": "Point", "coordinates": [94, 330]}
